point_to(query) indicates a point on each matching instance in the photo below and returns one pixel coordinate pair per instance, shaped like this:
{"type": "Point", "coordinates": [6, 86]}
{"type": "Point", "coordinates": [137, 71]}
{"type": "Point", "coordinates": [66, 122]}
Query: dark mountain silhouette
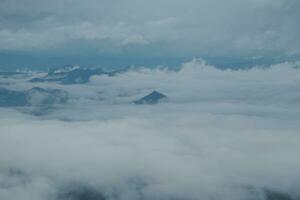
{"type": "Point", "coordinates": [152, 98]}
{"type": "Point", "coordinates": [72, 75]}
{"type": "Point", "coordinates": [34, 97]}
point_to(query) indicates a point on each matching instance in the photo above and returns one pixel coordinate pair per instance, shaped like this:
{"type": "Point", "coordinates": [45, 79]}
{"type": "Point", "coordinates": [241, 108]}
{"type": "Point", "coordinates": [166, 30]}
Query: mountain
{"type": "Point", "coordinates": [152, 98]}
{"type": "Point", "coordinates": [9, 98]}
{"type": "Point", "coordinates": [8, 74]}
{"type": "Point", "coordinates": [38, 96]}
{"type": "Point", "coordinates": [71, 75]}
{"type": "Point", "coordinates": [33, 97]}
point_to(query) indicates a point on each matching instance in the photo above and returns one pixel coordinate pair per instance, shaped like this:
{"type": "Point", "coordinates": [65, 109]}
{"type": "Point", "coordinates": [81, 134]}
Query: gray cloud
{"type": "Point", "coordinates": [177, 28]}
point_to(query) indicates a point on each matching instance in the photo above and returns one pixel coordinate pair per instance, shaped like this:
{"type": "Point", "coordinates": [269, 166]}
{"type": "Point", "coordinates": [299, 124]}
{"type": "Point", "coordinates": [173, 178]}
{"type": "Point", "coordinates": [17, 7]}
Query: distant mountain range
{"type": "Point", "coordinates": [72, 75]}
{"type": "Point", "coordinates": [41, 97]}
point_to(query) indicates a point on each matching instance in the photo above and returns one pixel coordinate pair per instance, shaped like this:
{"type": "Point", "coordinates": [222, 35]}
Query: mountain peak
{"type": "Point", "coordinates": [152, 98]}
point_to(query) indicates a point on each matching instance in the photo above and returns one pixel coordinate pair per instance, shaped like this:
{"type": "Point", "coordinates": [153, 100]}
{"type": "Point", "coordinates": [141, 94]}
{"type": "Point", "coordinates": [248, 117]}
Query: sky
{"type": "Point", "coordinates": [118, 33]}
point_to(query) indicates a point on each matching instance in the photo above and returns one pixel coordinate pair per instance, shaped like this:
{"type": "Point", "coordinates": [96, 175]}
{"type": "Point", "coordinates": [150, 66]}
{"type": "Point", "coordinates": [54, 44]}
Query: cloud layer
{"type": "Point", "coordinates": [151, 28]}
{"type": "Point", "coordinates": [222, 134]}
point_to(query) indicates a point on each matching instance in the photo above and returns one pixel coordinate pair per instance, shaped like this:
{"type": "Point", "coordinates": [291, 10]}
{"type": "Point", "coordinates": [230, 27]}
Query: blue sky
{"type": "Point", "coordinates": [45, 33]}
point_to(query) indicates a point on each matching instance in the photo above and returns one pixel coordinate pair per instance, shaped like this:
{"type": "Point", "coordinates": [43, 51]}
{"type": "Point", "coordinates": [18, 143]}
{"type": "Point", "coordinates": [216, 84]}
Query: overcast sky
{"type": "Point", "coordinates": [144, 29]}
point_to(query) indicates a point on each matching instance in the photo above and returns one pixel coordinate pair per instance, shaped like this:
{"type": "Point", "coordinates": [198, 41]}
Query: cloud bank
{"type": "Point", "coordinates": [222, 134]}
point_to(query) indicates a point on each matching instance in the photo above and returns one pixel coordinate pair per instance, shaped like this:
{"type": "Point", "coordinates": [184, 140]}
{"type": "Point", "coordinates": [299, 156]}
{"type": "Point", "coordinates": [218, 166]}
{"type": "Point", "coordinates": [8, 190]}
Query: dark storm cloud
{"type": "Point", "coordinates": [175, 28]}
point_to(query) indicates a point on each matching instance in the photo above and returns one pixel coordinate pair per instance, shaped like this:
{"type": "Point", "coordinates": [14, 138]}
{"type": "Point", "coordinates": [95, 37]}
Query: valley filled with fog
{"type": "Point", "coordinates": [198, 132]}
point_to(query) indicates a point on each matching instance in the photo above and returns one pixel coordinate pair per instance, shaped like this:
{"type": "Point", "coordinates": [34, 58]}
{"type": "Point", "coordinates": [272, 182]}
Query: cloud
{"type": "Point", "coordinates": [135, 39]}
{"type": "Point", "coordinates": [223, 134]}
{"type": "Point", "coordinates": [189, 156]}
{"type": "Point", "coordinates": [176, 28]}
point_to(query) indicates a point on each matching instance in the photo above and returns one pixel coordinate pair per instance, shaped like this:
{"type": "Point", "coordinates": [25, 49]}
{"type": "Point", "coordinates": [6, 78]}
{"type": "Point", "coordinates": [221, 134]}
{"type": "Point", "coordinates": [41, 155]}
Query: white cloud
{"type": "Point", "coordinates": [135, 39]}
{"type": "Point", "coordinates": [189, 156]}
{"type": "Point", "coordinates": [223, 134]}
